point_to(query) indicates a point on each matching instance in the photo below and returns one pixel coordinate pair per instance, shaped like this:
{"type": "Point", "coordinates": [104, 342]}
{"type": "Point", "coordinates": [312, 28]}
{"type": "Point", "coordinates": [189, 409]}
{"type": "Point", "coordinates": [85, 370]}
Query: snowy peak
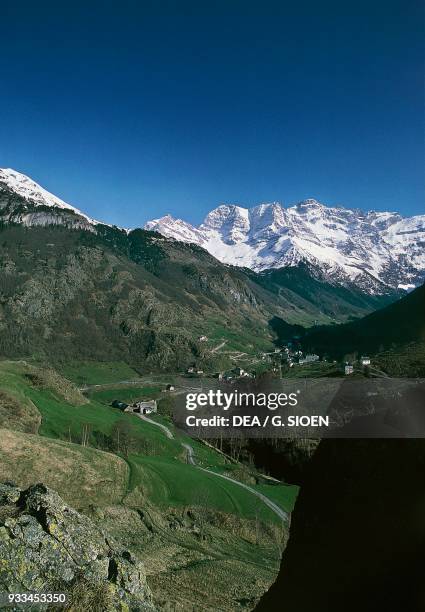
{"type": "Point", "coordinates": [309, 204]}
{"type": "Point", "coordinates": [33, 193]}
{"type": "Point", "coordinates": [230, 221]}
{"type": "Point", "coordinates": [226, 214]}
{"type": "Point", "coordinates": [174, 228]}
{"type": "Point", "coordinates": [372, 249]}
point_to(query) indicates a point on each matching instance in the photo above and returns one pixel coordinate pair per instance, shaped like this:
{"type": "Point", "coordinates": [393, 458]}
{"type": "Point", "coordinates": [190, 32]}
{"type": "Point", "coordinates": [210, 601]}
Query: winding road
{"type": "Point", "coordinates": [192, 461]}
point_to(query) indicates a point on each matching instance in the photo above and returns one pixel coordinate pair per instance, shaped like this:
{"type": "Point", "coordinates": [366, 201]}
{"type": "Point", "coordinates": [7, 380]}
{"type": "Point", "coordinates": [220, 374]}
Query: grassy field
{"type": "Point", "coordinates": [67, 422]}
{"type": "Point", "coordinates": [93, 372]}
{"type": "Point", "coordinates": [284, 495]}
{"type": "Point", "coordinates": [81, 475]}
{"type": "Point", "coordinates": [157, 464]}
{"type": "Point", "coordinates": [168, 483]}
{"type": "Point", "coordinates": [207, 457]}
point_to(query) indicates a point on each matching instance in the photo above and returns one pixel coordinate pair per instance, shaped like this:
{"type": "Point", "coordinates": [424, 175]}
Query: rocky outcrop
{"type": "Point", "coordinates": [47, 546]}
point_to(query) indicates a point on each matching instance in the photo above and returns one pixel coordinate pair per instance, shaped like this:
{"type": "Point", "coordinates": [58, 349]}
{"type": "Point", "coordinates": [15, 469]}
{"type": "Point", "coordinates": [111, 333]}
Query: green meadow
{"type": "Point", "coordinates": [157, 464]}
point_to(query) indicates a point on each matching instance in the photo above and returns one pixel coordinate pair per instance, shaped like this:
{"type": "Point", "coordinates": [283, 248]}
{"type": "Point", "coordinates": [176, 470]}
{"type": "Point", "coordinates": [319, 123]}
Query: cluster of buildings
{"type": "Point", "coordinates": [349, 367]}
{"type": "Point", "coordinates": [141, 407]}
{"type": "Point", "coordinates": [293, 356]}
{"type": "Point", "coordinates": [302, 359]}
{"type": "Point", "coordinates": [194, 371]}
{"type": "Point", "coordinates": [235, 374]}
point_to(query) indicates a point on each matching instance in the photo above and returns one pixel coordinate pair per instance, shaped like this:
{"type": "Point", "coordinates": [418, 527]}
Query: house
{"type": "Point", "coordinates": [120, 405]}
{"type": "Point", "coordinates": [199, 371]}
{"type": "Point", "coordinates": [348, 369]}
{"type": "Point", "coordinates": [240, 372]}
{"type": "Point", "coordinates": [170, 388]}
{"type": "Point", "coordinates": [143, 407]}
{"type": "Point", "coordinates": [309, 358]}
{"type": "Point", "coordinates": [190, 370]}
{"type": "Point", "coordinates": [203, 339]}
{"type": "Point", "coordinates": [365, 361]}
{"type": "Point", "coordinates": [236, 373]}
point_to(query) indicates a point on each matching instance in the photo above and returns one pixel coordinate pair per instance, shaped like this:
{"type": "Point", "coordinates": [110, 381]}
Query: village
{"type": "Point", "coordinates": [290, 355]}
{"type": "Point", "coordinates": [289, 360]}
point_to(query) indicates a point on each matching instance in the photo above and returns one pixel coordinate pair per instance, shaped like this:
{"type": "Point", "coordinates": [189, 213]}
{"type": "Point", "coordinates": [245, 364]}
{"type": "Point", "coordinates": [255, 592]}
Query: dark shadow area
{"type": "Point", "coordinates": [357, 532]}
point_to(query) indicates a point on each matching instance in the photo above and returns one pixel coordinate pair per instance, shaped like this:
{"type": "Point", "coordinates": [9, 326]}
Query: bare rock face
{"type": "Point", "coordinates": [46, 546]}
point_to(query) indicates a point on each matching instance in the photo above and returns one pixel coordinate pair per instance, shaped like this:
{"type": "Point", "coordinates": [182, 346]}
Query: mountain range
{"type": "Point", "coordinates": [378, 252]}
{"type": "Point", "coordinates": [374, 250]}
{"type": "Point", "coordinates": [72, 287]}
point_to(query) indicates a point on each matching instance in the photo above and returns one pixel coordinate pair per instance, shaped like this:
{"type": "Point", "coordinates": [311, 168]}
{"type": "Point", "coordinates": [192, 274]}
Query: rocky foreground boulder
{"type": "Point", "coordinates": [46, 546]}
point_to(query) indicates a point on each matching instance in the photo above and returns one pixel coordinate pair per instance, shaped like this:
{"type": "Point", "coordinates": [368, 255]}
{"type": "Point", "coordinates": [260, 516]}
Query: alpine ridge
{"type": "Point", "coordinates": [375, 250]}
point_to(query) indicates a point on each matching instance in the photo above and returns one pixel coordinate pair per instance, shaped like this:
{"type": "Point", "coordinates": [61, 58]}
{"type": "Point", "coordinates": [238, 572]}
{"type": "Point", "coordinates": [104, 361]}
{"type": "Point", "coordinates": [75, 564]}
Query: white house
{"type": "Point", "coordinates": [365, 361]}
{"type": "Point", "coordinates": [349, 369]}
{"type": "Point", "coordinates": [143, 407]}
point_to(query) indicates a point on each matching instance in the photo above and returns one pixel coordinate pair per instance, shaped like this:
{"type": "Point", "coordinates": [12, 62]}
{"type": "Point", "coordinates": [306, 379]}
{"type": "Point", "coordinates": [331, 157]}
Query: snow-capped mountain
{"type": "Point", "coordinates": [24, 201]}
{"type": "Point", "coordinates": [372, 249]}
{"type": "Point", "coordinates": [376, 251]}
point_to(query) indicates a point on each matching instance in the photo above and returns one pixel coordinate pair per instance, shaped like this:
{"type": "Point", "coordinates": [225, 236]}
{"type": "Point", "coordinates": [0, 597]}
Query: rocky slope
{"type": "Point", "coordinates": [372, 249]}
{"type": "Point", "coordinates": [144, 299]}
{"type": "Point", "coordinates": [46, 546]}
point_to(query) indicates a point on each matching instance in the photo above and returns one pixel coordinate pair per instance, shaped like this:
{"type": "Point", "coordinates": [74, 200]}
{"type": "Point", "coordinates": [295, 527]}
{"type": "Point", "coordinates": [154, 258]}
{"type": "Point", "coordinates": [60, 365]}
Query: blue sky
{"type": "Point", "coordinates": [132, 110]}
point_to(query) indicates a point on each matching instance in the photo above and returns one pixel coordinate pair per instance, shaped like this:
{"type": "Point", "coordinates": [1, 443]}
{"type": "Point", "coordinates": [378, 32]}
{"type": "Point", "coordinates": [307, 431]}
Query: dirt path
{"type": "Point", "coordinates": [165, 429]}
{"type": "Point", "coordinates": [192, 461]}
{"type": "Point", "coordinates": [218, 347]}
